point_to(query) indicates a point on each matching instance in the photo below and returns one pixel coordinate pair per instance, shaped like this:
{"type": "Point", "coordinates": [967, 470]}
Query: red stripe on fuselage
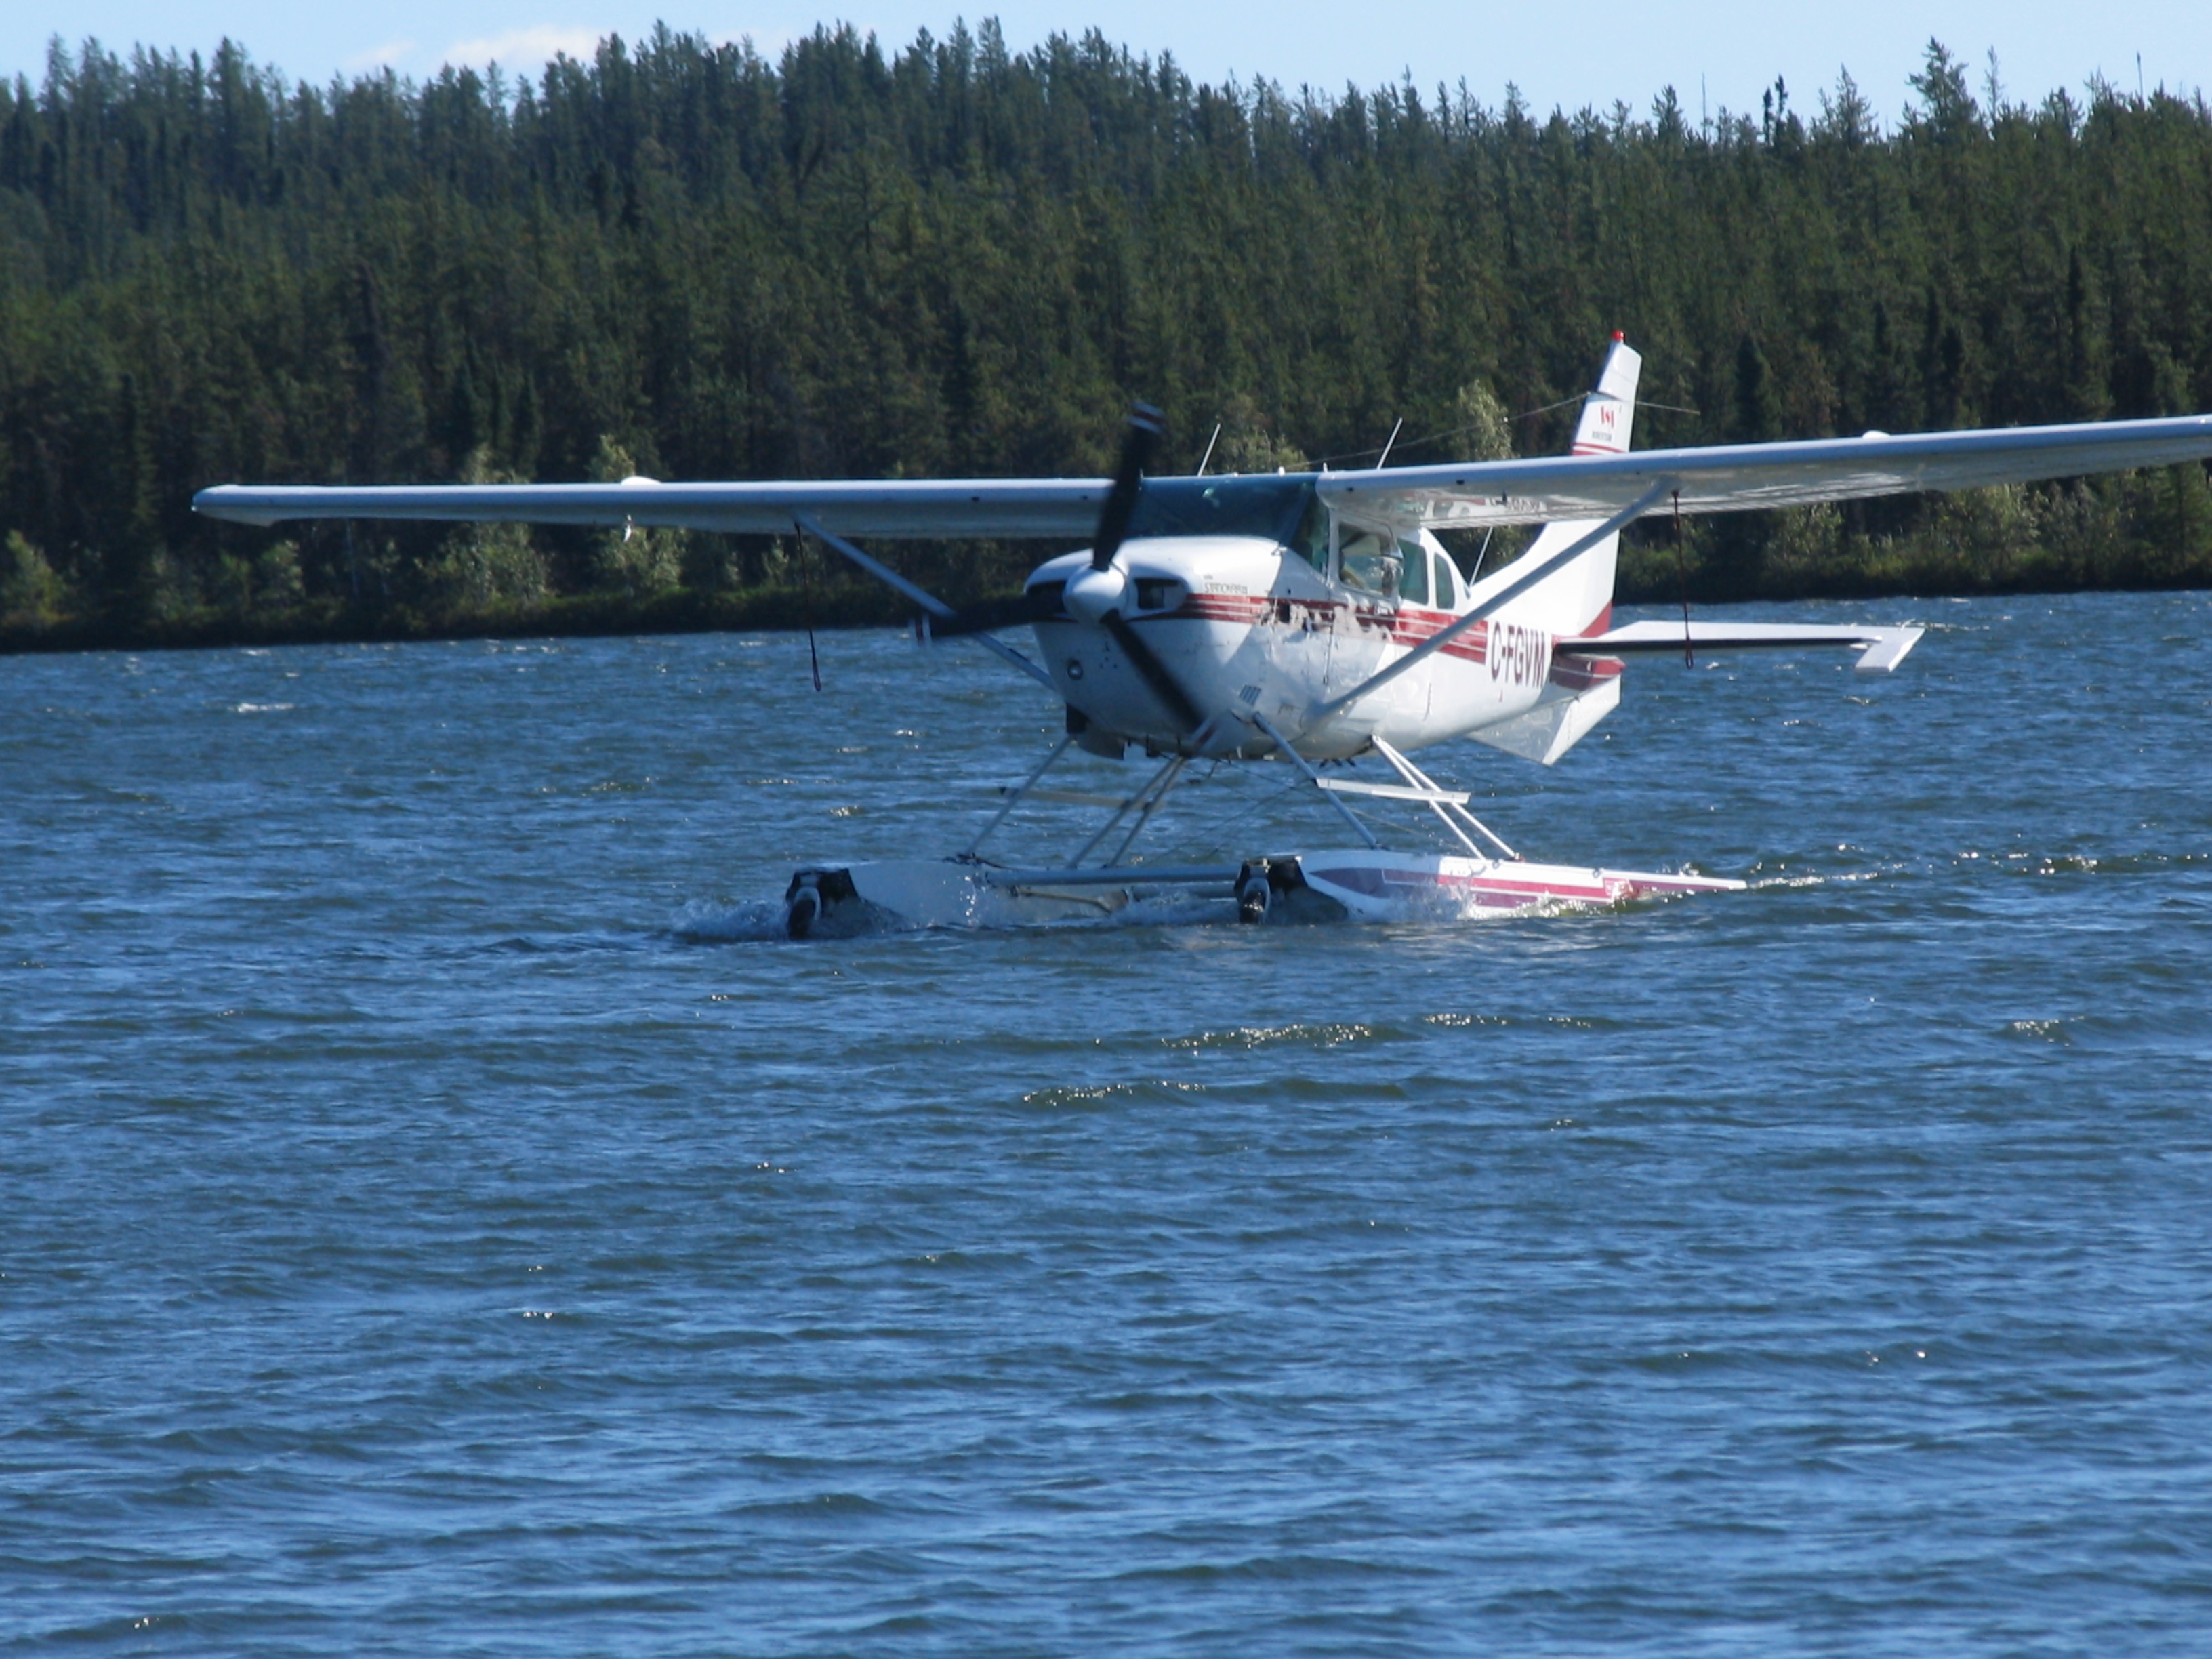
{"type": "Point", "coordinates": [1585, 673]}
{"type": "Point", "coordinates": [1408, 625]}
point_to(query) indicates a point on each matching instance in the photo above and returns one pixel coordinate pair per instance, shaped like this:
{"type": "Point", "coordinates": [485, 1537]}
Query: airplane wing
{"type": "Point", "coordinates": [1736, 477]}
{"type": "Point", "coordinates": [1742, 478]}
{"type": "Point", "coordinates": [916, 508]}
{"type": "Point", "coordinates": [1880, 647]}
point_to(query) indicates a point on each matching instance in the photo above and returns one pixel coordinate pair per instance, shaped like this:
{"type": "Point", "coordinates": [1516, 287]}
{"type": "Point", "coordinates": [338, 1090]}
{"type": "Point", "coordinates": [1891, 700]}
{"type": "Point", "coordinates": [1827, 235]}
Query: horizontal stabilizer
{"type": "Point", "coordinates": [1882, 648]}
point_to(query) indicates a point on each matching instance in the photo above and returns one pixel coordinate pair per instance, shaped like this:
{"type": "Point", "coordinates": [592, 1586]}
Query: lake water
{"type": "Point", "coordinates": [439, 1213]}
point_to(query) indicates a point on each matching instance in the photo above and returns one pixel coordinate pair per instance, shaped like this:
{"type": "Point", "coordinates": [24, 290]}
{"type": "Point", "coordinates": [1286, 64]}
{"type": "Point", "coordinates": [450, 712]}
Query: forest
{"type": "Point", "coordinates": [947, 259]}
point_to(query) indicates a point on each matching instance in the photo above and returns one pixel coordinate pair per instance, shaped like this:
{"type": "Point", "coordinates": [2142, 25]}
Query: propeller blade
{"type": "Point", "coordinates": [1172, 697]}
{"type": "Point", "coordinates": [1138, 442]}
{"type": "Point", "coordinates": [1037, 604]}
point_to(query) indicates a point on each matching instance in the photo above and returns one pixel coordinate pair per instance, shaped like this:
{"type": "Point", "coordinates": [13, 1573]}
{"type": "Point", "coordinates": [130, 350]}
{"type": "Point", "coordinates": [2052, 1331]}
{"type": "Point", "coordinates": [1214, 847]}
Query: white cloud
{"type": "Point", "coordinates": [526, 49]}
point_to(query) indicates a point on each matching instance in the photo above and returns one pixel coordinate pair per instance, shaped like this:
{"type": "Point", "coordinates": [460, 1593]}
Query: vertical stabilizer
{"type": "Point", "coordinates": [1578, 599]}
{"type": "Point", "coordinates": [1610, 410]}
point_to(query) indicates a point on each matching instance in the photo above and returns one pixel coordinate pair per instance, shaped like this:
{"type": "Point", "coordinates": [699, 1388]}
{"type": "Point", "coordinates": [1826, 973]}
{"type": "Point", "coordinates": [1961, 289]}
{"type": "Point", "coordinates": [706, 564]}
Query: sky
{"type": "Point", "coordinates": [1716, 53]}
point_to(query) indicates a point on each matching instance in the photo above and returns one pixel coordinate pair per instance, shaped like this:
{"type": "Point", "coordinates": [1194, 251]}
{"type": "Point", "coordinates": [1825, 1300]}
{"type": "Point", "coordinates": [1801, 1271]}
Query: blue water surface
{"type": "Point", "coordinates": [440, 1213]}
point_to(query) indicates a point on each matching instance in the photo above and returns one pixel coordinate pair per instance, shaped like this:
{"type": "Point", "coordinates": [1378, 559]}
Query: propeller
{"type": "Point", "coordinates": [1094, 595]}
{"type": "Point", "coordinates": [1103, 584]}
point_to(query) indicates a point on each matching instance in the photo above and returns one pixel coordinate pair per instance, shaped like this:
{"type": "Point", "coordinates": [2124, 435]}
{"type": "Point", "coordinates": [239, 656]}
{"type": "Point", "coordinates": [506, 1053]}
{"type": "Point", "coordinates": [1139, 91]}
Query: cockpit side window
{"type": "Point", "coordinates": [1367, 558]}
{"type": "Point", "coordinates": [1413, 578]}
{"type": "Point", "coordinates": [1447, 583]}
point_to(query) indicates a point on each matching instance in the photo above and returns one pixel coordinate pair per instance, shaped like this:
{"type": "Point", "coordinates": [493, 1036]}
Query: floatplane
{"type": "Point", "coordinates": [1302, 620]}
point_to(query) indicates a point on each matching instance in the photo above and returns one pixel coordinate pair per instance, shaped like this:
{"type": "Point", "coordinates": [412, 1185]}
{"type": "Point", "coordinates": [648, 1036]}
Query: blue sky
{"type": "Point", "coordinates": [1556, 56]}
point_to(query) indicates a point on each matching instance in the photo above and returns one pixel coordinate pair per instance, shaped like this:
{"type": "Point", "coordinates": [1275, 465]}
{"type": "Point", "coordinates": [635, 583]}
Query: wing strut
{"type": "Point", "coordinates": [1512, 590]}
{"type": "Point", "coordinates": [810, 526]}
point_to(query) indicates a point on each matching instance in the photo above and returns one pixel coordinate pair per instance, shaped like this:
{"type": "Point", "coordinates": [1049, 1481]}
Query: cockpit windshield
{"type": "Point", "coordinates": [1277, 506]}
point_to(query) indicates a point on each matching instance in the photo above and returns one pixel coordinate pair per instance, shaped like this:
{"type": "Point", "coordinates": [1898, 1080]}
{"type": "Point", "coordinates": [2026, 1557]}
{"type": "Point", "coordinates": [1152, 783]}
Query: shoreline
{"type": "Point", "coordinates": [841, 608]}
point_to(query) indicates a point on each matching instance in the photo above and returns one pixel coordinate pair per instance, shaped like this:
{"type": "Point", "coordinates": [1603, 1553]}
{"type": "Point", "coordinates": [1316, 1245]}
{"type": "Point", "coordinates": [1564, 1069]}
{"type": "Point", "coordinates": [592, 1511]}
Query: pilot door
{"type": "Point", "coordinates": [1381, 585]}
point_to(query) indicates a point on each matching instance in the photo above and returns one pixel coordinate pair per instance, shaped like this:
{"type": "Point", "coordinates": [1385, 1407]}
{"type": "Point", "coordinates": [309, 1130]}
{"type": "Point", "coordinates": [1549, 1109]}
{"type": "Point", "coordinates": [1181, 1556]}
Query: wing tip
{"type": "Point", "coordinates": [234, 504]}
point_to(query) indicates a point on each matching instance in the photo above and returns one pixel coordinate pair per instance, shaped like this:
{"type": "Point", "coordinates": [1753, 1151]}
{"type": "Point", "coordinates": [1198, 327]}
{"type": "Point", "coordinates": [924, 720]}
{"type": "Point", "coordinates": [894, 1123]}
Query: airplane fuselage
{"type": "Point", "coordinates": [1249, 625]}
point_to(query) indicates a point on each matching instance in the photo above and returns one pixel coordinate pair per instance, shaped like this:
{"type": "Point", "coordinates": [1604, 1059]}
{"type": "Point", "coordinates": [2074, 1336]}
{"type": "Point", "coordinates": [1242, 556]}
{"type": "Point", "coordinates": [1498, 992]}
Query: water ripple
{"type": "Point", "coordinates": [442, 1211]}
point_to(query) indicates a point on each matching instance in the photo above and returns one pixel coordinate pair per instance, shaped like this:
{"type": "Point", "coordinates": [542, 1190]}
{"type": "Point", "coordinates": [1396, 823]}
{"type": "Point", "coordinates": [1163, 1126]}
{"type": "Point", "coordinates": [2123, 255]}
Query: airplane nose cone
{"type": "Point", "coordinates": [1093, 593]}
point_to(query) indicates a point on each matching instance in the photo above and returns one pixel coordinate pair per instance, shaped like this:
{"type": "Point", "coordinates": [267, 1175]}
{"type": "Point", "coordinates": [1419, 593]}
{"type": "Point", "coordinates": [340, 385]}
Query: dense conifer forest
{"type": "Point", "coordinates": [690, 261]}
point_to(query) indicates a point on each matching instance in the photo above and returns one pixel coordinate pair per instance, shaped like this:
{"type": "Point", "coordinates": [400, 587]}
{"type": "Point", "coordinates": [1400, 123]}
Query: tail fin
{"type": "Point", "coordinates": [1611, 409]}
{"type": "Point", "coordinates": [1579, 597]}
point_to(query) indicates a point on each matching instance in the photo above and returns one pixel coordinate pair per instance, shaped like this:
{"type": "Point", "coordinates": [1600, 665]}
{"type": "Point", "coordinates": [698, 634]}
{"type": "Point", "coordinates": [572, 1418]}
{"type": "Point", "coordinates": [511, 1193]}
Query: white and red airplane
{"type": "Point", "coordinates": [1306, 618]}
